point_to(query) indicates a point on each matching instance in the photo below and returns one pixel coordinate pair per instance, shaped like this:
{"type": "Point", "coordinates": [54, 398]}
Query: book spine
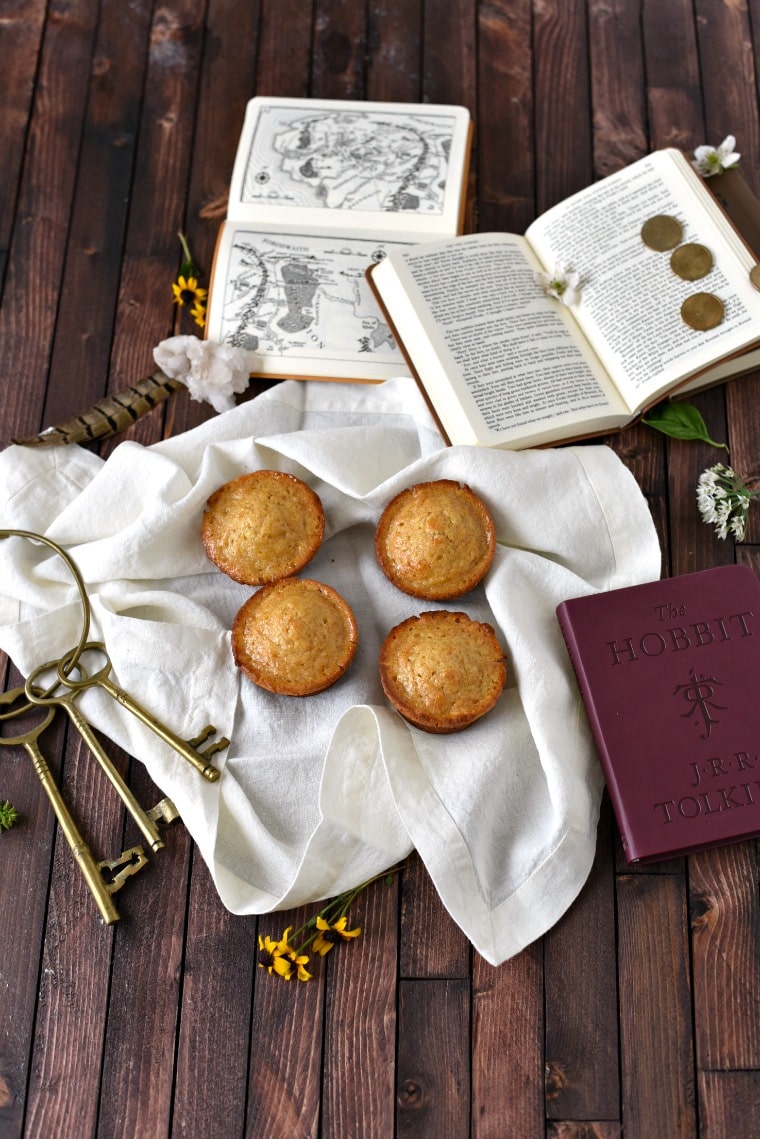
{"type": "Point", "coordinates": [626, 835]}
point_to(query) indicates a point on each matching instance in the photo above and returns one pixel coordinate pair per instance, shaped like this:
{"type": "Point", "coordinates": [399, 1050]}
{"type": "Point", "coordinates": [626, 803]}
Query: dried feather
{"type": "Point", "coordinates": [108, 416]}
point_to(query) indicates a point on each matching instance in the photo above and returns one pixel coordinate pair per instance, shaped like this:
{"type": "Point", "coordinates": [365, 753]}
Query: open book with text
{"type": "Point", "coordinates": [504, 364]}
{"type": "Point", "coordinates": [320, 190]}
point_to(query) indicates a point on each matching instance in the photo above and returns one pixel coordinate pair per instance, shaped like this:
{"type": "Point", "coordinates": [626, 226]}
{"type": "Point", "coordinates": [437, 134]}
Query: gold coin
{"type": "Point", "coordinates": [702, 311]}
{"type": "Point", "coordinates": [754, 276]}
{"type": "Point", "coordinates": [661, 232]}
{"type": "Point", "coordinates": [691, 261]}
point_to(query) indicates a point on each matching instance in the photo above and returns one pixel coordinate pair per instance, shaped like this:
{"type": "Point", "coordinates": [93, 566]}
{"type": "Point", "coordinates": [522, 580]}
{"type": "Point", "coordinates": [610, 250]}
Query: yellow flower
{"type": "Point", "coordinates": [330, 935]}
{"type": "Point", "coordinates": [187, 291]}
{"type": "Point", "coordinates": [272, 956]}
{"type": "Point", "coordinates": [298, 960]}
{"type": "Point", "coordinates": [198, 313]}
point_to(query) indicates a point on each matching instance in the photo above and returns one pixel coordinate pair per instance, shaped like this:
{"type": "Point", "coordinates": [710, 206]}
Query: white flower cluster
{"type": "Point", "coordinates": [211, 372]}
{"type": "Point", "coordinates": [723, 500]}
{"type": "Point", "coordinates": [564, 284]}
{"type": "Point", "coordinates": [709, 160]}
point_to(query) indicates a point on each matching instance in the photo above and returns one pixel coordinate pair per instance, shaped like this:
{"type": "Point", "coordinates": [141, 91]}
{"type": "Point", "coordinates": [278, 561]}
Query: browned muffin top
{"type": "Point", "coordinates": [294, 637]}
{"type": "Point", "coordinates": [435, 540]}
{"type": "Point", "coordinates": [262, 526]}
{"type": "Point", "coordinates": [442, 671]}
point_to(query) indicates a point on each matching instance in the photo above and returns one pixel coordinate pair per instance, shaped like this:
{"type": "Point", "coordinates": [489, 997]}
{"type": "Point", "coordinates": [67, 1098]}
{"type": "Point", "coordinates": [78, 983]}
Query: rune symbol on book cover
{"type": "Point", "coordinates": [698, 693]}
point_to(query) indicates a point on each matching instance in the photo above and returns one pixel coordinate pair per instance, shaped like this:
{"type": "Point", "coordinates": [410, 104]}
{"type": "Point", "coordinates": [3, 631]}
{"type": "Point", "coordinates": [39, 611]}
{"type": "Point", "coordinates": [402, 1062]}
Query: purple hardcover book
{"type": "Point", "coordinates": [669, 673]}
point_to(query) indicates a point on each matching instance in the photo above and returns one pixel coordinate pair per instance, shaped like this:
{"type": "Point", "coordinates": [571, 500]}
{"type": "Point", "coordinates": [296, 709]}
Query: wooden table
{"type": "Point", "coordinates": [639, 1013]}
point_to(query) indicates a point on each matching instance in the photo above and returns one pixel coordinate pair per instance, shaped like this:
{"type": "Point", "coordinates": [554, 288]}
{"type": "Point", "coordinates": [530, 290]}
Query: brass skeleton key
{"type": "Point", "coordinates": [79, 848]}
{"type": "Point", "coordinates": [188, 749]}
{"type": "Point", "coordinates": [66, 701]}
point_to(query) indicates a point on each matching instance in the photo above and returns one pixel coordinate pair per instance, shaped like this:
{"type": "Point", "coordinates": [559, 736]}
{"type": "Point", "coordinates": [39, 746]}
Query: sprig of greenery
{"type": "Point", "coordinates": [680, 421]}
{"type": "Point", "coordinates": [8, 816]}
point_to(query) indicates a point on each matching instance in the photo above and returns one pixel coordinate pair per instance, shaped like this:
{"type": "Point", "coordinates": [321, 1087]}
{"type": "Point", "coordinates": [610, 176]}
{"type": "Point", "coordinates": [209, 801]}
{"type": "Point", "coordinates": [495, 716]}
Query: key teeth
{"type": "Point", "coordinates": [212, 748]}
{"type": "Point", "coordinates": [127, 864]}
{"type": "Point", "coordinates": [164, 812]}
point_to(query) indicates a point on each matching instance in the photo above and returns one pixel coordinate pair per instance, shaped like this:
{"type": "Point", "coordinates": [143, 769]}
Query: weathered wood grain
{"type": "Point", "coordinates": [562, 127]}
{"type": "Point", "coordinates": [89, 288]}
{"type": "Point", "coordinates": [725, 919]}
{"type": "Point", "coordinates": [286, 1051]}
{"type": "Point", "coordinates": [507, 1046]}
{"type": "Point", "coordinates": [358, 1081]}
{"type": "Point", "coordinates": [215, 1015]}
{"type": "Point", "coordinates": [27, 852]}
{"type": "Point", "coordinates": [432, 945]}
{"type": "Point", "coordinates": [505, 174]}
{"type": "Point", "coordinates": [617, 85]}
{"type": "Point", "coordinates": [582, 1071]}
{"type": "Point", "coordinates": [729, 1104]}
{"type": "Point", "coordinates": [64, 1085]}
{"type": "Point", "coordinates": [656, 1051]}
{"type": "Point", "coordinates": [338, 63]}
{"type": "Point", "coordinates": [394, 31]}
{"type": "Point", "coordinates": [433, 1068]}
{"type": "Point", "coordinates": [37, 251]}
{"type": "Point", "coordinates": [23, 26]}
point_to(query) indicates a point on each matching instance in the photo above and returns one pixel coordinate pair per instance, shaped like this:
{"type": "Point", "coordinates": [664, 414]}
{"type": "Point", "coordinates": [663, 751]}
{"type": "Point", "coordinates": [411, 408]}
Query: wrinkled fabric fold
{"type": "Point", "coordinates": [317, 794]}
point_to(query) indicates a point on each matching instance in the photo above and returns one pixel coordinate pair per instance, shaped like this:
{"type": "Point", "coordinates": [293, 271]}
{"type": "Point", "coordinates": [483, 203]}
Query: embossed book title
{"type": "Point", "coordinates": [668, 673]}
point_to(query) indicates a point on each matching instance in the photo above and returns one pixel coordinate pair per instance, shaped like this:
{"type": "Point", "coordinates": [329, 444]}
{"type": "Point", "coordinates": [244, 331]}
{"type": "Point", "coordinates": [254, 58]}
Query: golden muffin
{"type": "Point", "coordinates": [442, 671]}
{"type": "Point", "coordinates": [262, 527]}
{"type": "Point", "coordinates": [435, 540]}
{"type": "Point", "coordinates": [294, 637]}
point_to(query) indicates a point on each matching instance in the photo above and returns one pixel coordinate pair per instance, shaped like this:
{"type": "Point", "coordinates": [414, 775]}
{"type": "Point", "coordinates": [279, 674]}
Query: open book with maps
{"type": "Point", "coordinates": [321, 190]}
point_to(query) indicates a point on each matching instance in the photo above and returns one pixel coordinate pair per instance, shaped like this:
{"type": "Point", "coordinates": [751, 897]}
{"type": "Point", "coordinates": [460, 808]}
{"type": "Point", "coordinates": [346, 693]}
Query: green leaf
{"type": "Point", "coordinates": [8, 816]}
{"type": "Point", "coordinates": [680, 421]}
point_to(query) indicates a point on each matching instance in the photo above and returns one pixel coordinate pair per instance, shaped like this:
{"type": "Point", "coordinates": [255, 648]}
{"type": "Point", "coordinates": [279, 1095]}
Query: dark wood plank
{"type": "Point", "coordinates": [146, 313]}
{"type": "Point", "coordinates": [36, 256]}
{"type": "Point", "coordinates": [507, 1076]}
{"type": "Point", "coordinates": [140, 1043]}
{"type": "Point", "coordinates": [449, 51]}
{"type": "Point", "coordinates": [582, 1071]}
{"type": "Point", "coordinates": [286, 1045]}
{"type": "Point", "coordinates": [729, 1104]}
{"type": "Point", "coordinates": [617, 85]}
{"type": "Point", "coordinates": [89, 288]}
{"type": "Point", "coordinates": [672, 74]}
{"type": "Point", "coordinates": [283, 65]}
{"type": "Point", "coordinates": [338, 65]}
{"type": "Point", "coordinates": [656, 1053]}
{"type": "Point", "coordinates": [215, 1020]}
{"type": "Point", "coordinates": [564, 161]}
{"type": "Point", "coordinates": [433, 1068]}
{"type": "Point", "coordinates": [432, 945]}
{"type": "Point", "coordinates": [504, 171]}
{"type": "Point", "coordinates": [64, 1086]}
{"type": "Point", "coordinates": [723, 900]}
{"type": "Point", "coordinates": [393, 63]}
{"type": "Point", "coordinates": [23, 26]}
{"type": "Point", "coordinates": [358, 1088]}
{"type": "Point", "coordinates": [27, 851]}
{"type": "Point", "coordinates": [223, 93]}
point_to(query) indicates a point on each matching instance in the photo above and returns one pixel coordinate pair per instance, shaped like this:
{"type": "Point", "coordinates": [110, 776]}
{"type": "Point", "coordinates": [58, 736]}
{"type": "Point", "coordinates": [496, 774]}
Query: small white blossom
{"type": "Point", "coordinates": [211, 372]}
{"type": "Point", "coordinates": [723, 501]}
{"type": "Point", "coordinates": [564, 284]}
{"type": "Point", "coordinates": [709, 160]}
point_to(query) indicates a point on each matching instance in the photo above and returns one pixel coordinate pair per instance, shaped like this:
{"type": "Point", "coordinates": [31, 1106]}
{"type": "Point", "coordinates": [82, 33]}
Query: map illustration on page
{"type": "Point", "coordinates": [321, 190]}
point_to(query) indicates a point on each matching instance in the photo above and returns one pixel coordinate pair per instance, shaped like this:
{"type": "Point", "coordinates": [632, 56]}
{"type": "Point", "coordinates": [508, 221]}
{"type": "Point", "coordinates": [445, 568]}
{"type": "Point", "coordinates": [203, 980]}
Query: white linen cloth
{"type": "Point", "coordinates": [319, 793]}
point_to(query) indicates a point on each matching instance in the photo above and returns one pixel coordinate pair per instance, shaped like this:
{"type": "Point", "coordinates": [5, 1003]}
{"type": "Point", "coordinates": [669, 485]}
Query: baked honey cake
{"type": "Point", "coordinates": [262, 527]}
{"type": "Point", "coordinates": [442, 671]}
{"type": "Point", "coordinates": [294, 637]}
{"type": "Point", "coordinates": [435, 540]}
